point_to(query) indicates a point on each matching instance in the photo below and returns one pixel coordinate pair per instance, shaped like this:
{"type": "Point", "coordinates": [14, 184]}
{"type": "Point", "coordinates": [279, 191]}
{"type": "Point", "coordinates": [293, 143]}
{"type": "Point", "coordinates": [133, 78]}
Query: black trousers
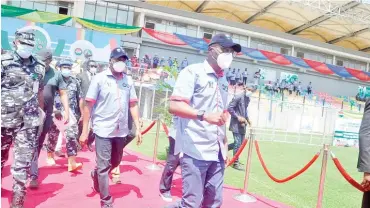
{"type": "Point", "coordinates": [366, 200]}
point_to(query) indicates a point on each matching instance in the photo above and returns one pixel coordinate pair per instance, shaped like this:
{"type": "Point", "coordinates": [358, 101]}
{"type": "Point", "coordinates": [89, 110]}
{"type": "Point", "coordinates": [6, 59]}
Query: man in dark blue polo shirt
{"type": "Point", "coordinates": [53, 82]}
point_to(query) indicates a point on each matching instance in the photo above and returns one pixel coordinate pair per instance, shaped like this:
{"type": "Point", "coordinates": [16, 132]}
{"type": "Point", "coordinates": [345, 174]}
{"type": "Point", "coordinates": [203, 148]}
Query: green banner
{"type": "Point", "coordinates": [107, 27]}
{"type": "Point", "coordinates": [10, 11]}
{"type": "Point", "coordinates": [345, 135]}
{"type": "Point", "coordinates": [34, 15]}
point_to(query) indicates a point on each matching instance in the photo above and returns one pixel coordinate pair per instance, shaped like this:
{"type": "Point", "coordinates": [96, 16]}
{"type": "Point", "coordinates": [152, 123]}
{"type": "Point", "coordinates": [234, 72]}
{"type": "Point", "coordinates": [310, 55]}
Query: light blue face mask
{"type": "Point", "coordinates": [248, 93]}
{"type": "Point", "coordinates": [66, 72]}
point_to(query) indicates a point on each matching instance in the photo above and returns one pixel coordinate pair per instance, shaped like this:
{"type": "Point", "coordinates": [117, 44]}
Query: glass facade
{"type": "Point", "coordinates": [109, 12]}
{"type": "Point", "coordinates": [171, 27]}
{"type": "Point", "coordinates": [45, 6]}
{"type": "Point", "coordinates": [350, 63]}
{"type": "Point", "coordinates": [269, 46]}
{"type": "Point", "coordinates": [313, 55]}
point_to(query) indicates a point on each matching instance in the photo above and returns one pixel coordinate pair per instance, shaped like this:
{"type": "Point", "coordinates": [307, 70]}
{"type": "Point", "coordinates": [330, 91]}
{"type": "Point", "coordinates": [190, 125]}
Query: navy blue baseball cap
{"type": "Point", "coordinates": [118, 52]}
{"type": "Point", "coordinates": [65, 62]}
{"type": "Point", "coordinates": [225, 41]}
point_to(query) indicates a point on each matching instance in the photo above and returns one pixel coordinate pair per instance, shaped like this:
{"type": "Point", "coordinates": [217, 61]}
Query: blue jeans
{"type": "Point", "coordinates": [202, 183]}
{"type": "Point", "coordinates": [170, 168]}
{"type": "Point", "coordinates": [238, 140]}
{"type": "Point", "coordinates": [108, 156]}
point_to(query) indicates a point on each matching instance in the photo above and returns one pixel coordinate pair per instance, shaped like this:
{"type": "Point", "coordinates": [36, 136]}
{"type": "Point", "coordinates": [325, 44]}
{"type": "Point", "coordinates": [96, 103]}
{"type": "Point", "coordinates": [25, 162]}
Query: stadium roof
{"type": "Point", "coordinates": [344, 23]}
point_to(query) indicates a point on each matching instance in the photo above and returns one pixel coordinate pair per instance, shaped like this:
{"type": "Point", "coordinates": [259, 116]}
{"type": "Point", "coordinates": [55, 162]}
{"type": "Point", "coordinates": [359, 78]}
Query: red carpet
{"type": "Point", "coordinates": [139, 188]}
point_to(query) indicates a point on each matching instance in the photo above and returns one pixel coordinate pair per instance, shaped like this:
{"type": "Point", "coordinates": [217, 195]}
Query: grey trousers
{"type": "Point", "coordinates": [202, 183]}
{"type": "Point", "coordinates": [170, 168]}
{"type": "Point", "coordinates": [108, 156]}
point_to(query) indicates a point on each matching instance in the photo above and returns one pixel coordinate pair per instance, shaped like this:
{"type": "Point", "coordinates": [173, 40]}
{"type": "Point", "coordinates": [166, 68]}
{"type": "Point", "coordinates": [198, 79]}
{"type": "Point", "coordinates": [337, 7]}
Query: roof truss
{"type": "Point", "coordinates": [365, 49]}
{"type": "Point", "coordinates": [261, 12]}
{"type": "Point", "coordinates": [326, 6]}
{"type": "Point", "coordinates": [203, 5]}
{"type": "Point", "coordinates": [336, 40]}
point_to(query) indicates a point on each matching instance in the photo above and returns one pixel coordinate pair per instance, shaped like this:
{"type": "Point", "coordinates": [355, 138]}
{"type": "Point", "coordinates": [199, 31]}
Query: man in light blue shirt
{"type": "Point", "coordinates": [172, 163]}
{"type": "Point", "coordinates": [110, 97]}
{"type": "Point", "coordinates": [199, 100]}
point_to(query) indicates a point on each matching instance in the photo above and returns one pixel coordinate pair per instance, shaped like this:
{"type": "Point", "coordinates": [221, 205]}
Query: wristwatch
{"type": "Point", "coordinates": [200, 115]}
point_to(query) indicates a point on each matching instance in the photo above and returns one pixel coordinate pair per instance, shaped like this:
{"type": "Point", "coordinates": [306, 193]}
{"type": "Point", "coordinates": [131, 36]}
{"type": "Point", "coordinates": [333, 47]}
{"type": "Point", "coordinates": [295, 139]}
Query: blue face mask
{"type": "Point", "coordinates": [248, 93]}
{"type": "Point", "coordinates": [66, 72]}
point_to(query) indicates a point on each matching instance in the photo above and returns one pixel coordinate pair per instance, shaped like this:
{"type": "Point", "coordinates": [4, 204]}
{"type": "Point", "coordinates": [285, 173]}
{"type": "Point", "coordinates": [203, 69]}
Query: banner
{"type": "Point", "coordinates": [268, 75]}
{"type": "Point", "coordinates": [288, 77]}
{"type": "Point", "coordinates": [346, 132]}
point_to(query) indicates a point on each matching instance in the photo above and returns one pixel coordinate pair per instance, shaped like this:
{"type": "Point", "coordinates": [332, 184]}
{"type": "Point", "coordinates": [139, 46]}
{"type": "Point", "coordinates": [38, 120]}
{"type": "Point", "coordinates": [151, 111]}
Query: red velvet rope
{"type": "Point", "coordinates": [165, 129]}
{"type": "Point", "coordinates": [240, 150]}
{"type": "Point", "coordinates": [148, 128]}
{"type": "Point", "coordinates": [299, 172]}
{"type": "Point", "coordinates": [346, 175]}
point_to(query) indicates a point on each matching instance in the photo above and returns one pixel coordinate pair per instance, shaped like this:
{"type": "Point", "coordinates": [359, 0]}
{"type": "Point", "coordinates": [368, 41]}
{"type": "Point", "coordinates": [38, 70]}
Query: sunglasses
{"type": "Point", "coordinates": [93, 66]}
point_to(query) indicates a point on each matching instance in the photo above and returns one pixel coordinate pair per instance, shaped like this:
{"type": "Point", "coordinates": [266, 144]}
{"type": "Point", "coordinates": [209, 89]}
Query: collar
{"type": "Point", "coordinates": [91, 74]}
{"type": "Point", "coordinates": [108, 72]}
{"type": "Point", "coordinates": [33, 60]}
{"type": "Point", "coordinates": [209, 70]}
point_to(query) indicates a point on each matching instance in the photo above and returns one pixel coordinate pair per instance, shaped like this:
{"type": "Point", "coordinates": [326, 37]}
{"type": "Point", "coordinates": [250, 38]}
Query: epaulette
{"type": "Point", "coordinates": [39, 67]}
{"type": "Point", "coordinates": [6, 57]}
{"type": "Point", "coordinates": [38, 61]}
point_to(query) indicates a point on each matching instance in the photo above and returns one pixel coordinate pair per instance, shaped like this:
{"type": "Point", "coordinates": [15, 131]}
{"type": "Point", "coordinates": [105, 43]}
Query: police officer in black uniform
{"type": "Point", "coordinates": [21, 96]}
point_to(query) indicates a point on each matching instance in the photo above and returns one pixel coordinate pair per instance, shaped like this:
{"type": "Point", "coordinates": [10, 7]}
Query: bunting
{"type": "Point", "coordinates": [339, 70]}
{"type": "Point", "coordinates": [280, 59]}
{"type": "Point", "coordinates": [60, 19]}
{"type": "Point", "coordinates": [180, 40]}
{"type": "Point", "coordinates": [118, 29]}
{"type": "Point", "coordinates": [361, 75]}
{"type": "Point", "coordinates": [164, 37]}
{"type": "Point", "coordinates": [319, 67]}
{"type": "Point", "coordinates": [276, 58]}
{"type": "Point", "coordinates": [34, 15]}
{"type": "Point", "coordinates": [197, 43]}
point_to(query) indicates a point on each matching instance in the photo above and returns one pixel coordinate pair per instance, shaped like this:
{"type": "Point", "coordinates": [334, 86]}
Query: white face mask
{"type": "Point", "coordinates": [248, 93]}
{"type": "Point", "coordinates": [119, 66]}
{"type": "Point", "coordinates": [24, 51]}
{"type": "Point", "coordinates": [66, 72]}
{"type": "Point", "coordinates": [224, 60]}
{"type": "Point", "coordinates": [93, 70]}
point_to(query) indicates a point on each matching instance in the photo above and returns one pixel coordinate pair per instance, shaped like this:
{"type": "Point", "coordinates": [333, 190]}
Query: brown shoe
{"type": "Point", "coordinates": [116, 180]}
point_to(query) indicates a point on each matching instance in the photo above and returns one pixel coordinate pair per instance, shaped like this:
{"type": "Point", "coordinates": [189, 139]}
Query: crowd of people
{"type": "Point", "coordinates": [236, 76]}
{"type": "Point", "coordinates": [155, 62]}
{"type": "Point", "coordinates": [40, 102]}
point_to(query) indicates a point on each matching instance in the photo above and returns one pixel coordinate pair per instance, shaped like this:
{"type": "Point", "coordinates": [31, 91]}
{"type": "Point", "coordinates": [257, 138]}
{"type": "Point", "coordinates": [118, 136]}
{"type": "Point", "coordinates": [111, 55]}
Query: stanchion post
{"type": "Point", "coordinates": [244, 196]}
{"type": "Point", "coordinates": [154, 166]}
{"type": "Point", "coordinates": [322, 176]}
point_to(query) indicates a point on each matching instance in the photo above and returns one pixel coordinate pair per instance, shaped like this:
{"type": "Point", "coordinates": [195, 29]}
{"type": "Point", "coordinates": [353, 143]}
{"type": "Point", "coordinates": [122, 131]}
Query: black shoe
{"type": "Point", "coordinates": [34, 184]}
{"type": "Point", "coordinates": [79, 148]}
{"type": "Point", "coordinates": [95, 184]}
{"type": "Point", "coordinates": [237, 166]}
{"type": "Point", "coordinates": [59, 154]}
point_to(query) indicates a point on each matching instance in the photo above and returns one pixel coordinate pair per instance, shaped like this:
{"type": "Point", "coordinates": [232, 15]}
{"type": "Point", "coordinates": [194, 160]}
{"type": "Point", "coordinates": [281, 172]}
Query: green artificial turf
{"type": "Point", "coordinates": [283, 159]}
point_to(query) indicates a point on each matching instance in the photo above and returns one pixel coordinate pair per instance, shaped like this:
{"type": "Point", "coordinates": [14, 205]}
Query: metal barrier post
{"type": "Point", "coordinates": [322, 176]}
{"type": "Point", "coordinates": [153, 98]}
{"type": "Point", "coordinates": [154, 166]}
{"type": "Point", "coordinates": [140, 90]}
{"type": "Point", "coordinates": [244, 196]}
